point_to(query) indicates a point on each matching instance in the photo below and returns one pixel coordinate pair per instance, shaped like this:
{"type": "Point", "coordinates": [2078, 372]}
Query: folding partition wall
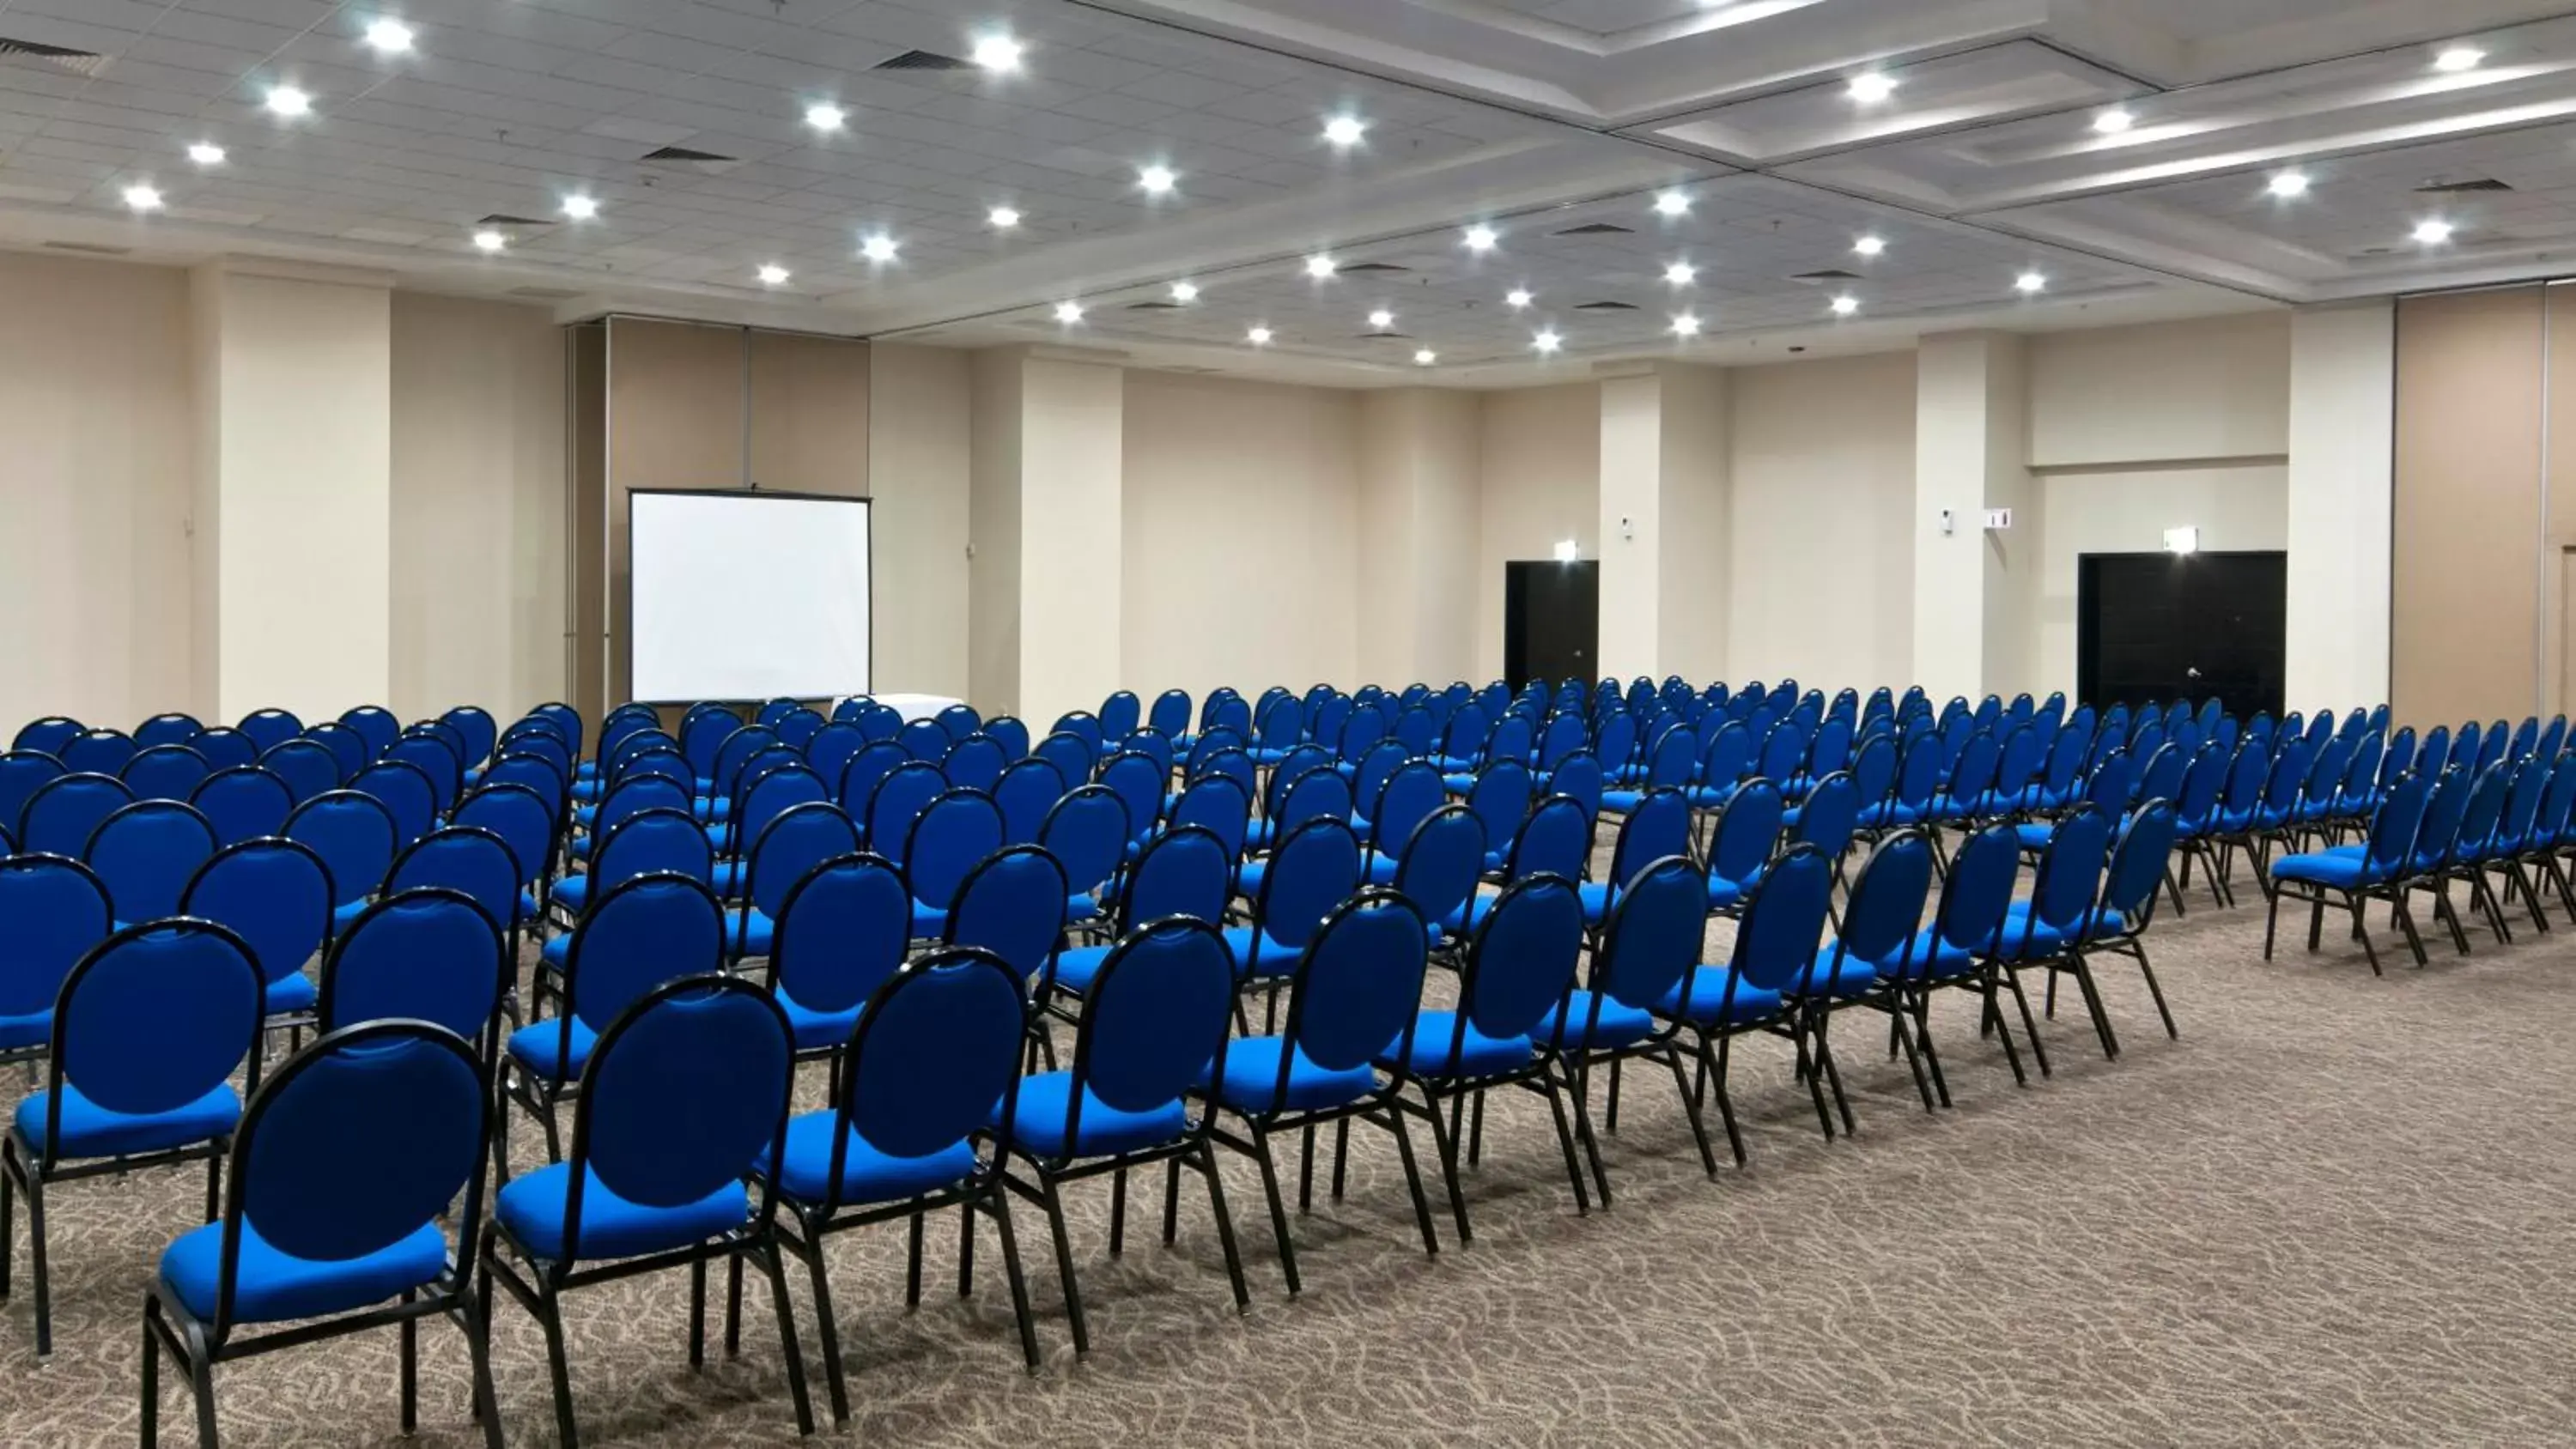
{"type": "Point", "coordinates": [659, 404]}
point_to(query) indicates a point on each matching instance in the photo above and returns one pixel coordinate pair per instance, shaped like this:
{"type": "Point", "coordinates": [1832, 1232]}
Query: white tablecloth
{"type": "Point", "coordinates": [911, 706]}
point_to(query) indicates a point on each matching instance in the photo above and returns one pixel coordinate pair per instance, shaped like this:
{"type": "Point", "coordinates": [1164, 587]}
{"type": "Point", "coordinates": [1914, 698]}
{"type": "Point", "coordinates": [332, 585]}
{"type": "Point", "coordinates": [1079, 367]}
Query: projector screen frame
{"type": "Point", "coordinates": [627, 641]}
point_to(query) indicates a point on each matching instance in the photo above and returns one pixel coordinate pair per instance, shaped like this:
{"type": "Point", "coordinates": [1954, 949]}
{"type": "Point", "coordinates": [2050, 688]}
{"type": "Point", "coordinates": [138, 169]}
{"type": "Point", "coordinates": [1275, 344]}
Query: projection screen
{"type": "Point", "coordinates": [747, 596]}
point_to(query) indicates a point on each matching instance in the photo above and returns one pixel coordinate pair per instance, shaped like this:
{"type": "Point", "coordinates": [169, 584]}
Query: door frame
{"type": "Point", "coordinates": [1515, 627]}
{"type": "Point", "coordinates": [2088, 621]}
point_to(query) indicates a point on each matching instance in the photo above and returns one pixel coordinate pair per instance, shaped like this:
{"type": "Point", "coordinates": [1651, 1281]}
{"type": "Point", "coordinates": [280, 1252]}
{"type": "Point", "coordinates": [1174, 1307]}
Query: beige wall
{"type": "Point", "coordinates": [1241, 536]}
{"type": "Point", "coordinates": [2237, 510]}
{"type": "Point", "coordinates": [1542, 482]}
{"type": "Point", "coordinates": [95, 491]}
{"type": "Point", "coordinates": [993, 531]}
{"type": "Point", "coordinates": [920, 456]}
{"type": "Point", "coordinates": [1822, 558]}
{"type": "Point", "coordinates": [2216, 388]}
{"type": "Point", "coordinates": [478, 506]}
{"type": "Point", "coordinates": [1419, 481]}
{"type": "Point", "coordinates": [1072, 487]}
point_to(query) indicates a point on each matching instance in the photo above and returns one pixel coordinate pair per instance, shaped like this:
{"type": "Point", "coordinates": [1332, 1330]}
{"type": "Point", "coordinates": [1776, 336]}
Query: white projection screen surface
{"type": "Point", "coordinates": [747, 596]}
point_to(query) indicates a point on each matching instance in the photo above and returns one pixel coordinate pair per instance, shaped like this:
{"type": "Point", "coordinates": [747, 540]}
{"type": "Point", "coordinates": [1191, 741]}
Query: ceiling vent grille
{"type": "Point", "coordinates": [1153, 306]}
{"type": "Point", "coordinates": [1829, 274]}
{"type": "Point", "coordinates": [1605, 306]}
{"type": "Point", "coordinates": [1599, 228]}
{"type": "Point", "coordinates": [922, 60]}
{"type": "Point", "coordinates": [88, 248]}
{"type": "Point", "coordinates": [2455, 188]}
{"type": "Point", "coordinates": [1385, 336]}
{"type": "Point", "coordinates": [1357, 268]}
{"type": "Point", "coordinates": [683, 153]}
{"type": "Point", "coordinates": [503, 218]}
{"type": "Point", "coordinates": [60, 57]}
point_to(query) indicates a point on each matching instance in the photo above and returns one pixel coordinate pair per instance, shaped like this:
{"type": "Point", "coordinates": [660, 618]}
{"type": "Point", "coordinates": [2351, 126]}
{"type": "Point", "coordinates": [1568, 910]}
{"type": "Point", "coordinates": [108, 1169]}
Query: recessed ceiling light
{"type": "Point", "coordinates": [1157, 180]}
{"type": "Point", "coordinates": [1686, 325]}
{"type": "Point", "coordinates": [1345, 130]}
{"type": "Point", "coordinates": [288, 101]}
{"type": "Point", "coordinates": [2289, 183]}
{"type": "Point", "coordinates": [1517, 297]}
{"type": "Point", "coordinates": [2031, 282]}
{"type": "Point", "coordinates": [1870, 246]}
{"type": "Point", "coordinates": [1320, 265]}
{"type": "Point", "coordinates": [824, 116]}
{"type": "Point", "coordinates": [878, 248]}
{"type": "Point", "coordinates": [1185, 291]}
{"type": "Point", "coordinates": [772, 274]}
{"type": "Point", "coordinates": [391, 37]}
{"type": "Point", "coordinates": [1425, 357]}
{"type": "Point", "coordinates": [1003, 217]}
{"type": "Point", "coordinates": [1481, 238]}
{"type": "Point", "coordinates": [1671, 203]}
{"type": "Point", "coordinates": [142, 197]}
{"type": "Point", "coordinates": [1872, 86]}
{"type": "Point", "coordinates": [206, 153]}
{"type": "Point", "coordinates": [998, 53]}
{"type": "Point", "coordinates": [1547, 342]}
{"type": "Point", "coordinates": [2459, 58]}
{"type": "Point", "coordinates": [1381, 319]}
{"type": "Point", "coordinates": [1258, 336]}
{"type": "Point", "coordinates": [1068, 311]}
{"type": "Point", "coordinates": [1679, 274]}
{"type": "Point", "coordinates": [1846, 305]}
{"type": "Point", "coordinates": [2113, 121]}
{"type": "Point", "coordinates": [489, 240]}
{"type": "Point", "coordinates": [2433, 233]}
{"type": "Point", "coordinates": [581, 208]}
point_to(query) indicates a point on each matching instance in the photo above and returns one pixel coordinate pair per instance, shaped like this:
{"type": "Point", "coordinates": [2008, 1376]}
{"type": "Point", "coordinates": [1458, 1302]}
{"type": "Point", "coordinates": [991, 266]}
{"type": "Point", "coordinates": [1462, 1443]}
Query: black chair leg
{"type": "Point", "coordinates": [1565, 1141]}
{"type": "Point", "coordinates": [828, 1320]}
{"type": "Point", "coordinates": [1278, 1209]}
{"type": "Point", "coordinates": [1444, 1142]}
{"type": "Point", "coordinates": [788, 1347]}
{"type": "Point", "coordinates": [1018, 1279]}
{"type": "Point", "coordinates": [1225, 1229]}
{"type": "Point", "coordinates": [151, 1373]}
{"type": "Point", "coordinates": [1064, 1266]}
{"type": "Point", "coordinates": [1413, 1179]}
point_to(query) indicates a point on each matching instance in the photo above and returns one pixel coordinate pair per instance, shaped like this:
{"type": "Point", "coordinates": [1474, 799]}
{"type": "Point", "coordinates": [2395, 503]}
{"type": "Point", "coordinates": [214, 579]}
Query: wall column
{"type": "Point", "coordinates": [1046, 532]}
{"type": "Point", "coordinates": [292, 550]}
{"type": "Point", "coordinates": [1973, 591]}
{"type": "Point", "coordinates": [2343, 420]}
{"type": "Point", "coordinates": [1419, 514]}
{"type": "Point", "coordinates": [1664, 504]}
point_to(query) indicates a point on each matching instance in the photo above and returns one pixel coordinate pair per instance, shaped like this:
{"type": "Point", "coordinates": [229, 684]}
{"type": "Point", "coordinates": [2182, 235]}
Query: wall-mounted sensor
{"type": "Point", "coordinates": [1949, 525]}
{"type": "Point", "coordinates": [1627, 528]}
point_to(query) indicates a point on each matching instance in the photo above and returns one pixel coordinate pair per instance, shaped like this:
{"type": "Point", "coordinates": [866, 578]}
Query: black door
{"type": "Point", "coordinates": [2164, 626]}
{"type": "Point", "coordinates": [1551, 621]}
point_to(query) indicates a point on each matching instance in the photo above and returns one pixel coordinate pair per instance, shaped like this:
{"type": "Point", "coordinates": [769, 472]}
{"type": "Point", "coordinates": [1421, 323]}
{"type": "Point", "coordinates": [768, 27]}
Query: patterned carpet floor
{"type": "Point", "coordinates": [2337, 1211]}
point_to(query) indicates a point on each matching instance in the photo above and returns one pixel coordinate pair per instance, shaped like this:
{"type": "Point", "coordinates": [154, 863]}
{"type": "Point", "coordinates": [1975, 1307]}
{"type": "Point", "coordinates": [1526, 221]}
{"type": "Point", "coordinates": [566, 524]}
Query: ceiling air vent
{"type": "Point", "coordinates": [61, 57]}
{"type": "Point", "coordinates": [1385, 336]}
{"type": "Point", "coordinates": [89, 248]}
{"type": "Point", "coordinates": [2455, 188]}
{"type": "Point", "coordinates": [1599, 228]}
{"type": "Point", "coordinates": [683, 153]}
{"type": "Point", "coordinates": [922, 60]}
{"type": "Point", "coordinates": [1829, 274]}
{"type": "Point", "coordinates": [1605, 306]}
{"type": "Point", "coordinates": [503, 218]}
{"type": "Point", "coordinates": [1153, 306]}
{"type": "Point", "coordinates": [1356, 268]}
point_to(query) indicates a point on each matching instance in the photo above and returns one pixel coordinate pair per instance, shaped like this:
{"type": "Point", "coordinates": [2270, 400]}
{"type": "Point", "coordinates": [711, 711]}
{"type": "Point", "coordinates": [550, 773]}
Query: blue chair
{"type": "Point", "coordinates": [1356, 989]}
{"type": "Point", "coordinates": [2465, 860]}
{"type": "Point", "coordinates": [1026, 790]}
{"type": "Point", "coordinates": [1315, 868]}
{"type": "Point", "coordinates": [791, 844]}
{"type": "Point", "coordinates": [759, 799]}
{"type": "Point", "coordinates": [1011, 734]}
{"type": "Point", "coordinates": [1443, 862]}
{"type": "Point", "coordinates": [645, 930]}
{"type": "Point", "coordinates": [841, 932]}
{"type": "Point", "coordinates": [56, 910]}
{"type": "Point", "coordinates": [1170, 716]}
{"type": "Point", "coordinates": [1121, 712]}
{"type": "Point", "coordinates": [1011, 904]}
{"type": "Point", "coordinates": [344, 1166]}
{"type": "Point", "coordinates": [348, 748]}
{"type": "Point", "coordinates": [2377, 870]}
{"type": "Point", "coordinates": [831, 748]}
{"type": "Point", "coordinates": [925, 740]}
{"type": "Point", "coordinates": [1645, 956]}
{"type": "Point", "coordinates": [527, 824]}
{"type": "Point", "coordinates": [269, 728]}
{"type": "Point", "coordinates": [976, 763]}
{"type": "Point", "coordinates": [165, 772]}
{"type": "Point", "coordinates": [436, 757]}
{"type": "Point", "coordinates": [276, 895]}
{"type": "Point", "coordinates": [308, 768]}
{"type": "Point", "coordinates": [1073, 757]}
{"type": "Point", "coordinates": [1404, 799]}
{"type": "Point", "coordinates": [470, 859]}
{"type": "Point", "coordinates": [2541, 848]}
{"type": "Point", "coordinates": [1757, 989]}
{"type": "Point", "coordinates": [946, 840]}
{"type": "Point", "coordinates": [46, 736]}
{"type": "Point", "coordinates": [1741, 843]}
{"type": "Point", "coordinates": [98, 752]}
{"type": "Point", "coordinates": [2118, 925]}
{"type": "Point", "coordinates": [1137, 779]}
{"type": "Point", "coordinates": [1659, 826]}
{"type": "Point", "coordinates": [1087, 834]}
{"type": "Point", "coordinates": [899, 798]}
{"type": "Point", "coordinates": [2197, 816]}
{"type": "Point", "coordinates": [171, 728]}
{"type": "Point", "coordinates": [2042, 932]}
{"type": "Point", "coordinates": [631, 795]}
{"type": "Point", "coordinates": [656, 841]}
{"type": "Point", "coordinates": [375, 724]}
{"type": "Point", "coordinates": [479, 729]}
{"type": "Point", "coordinates": [1155, 1027]}
{"type": "Point", "coordinates": [959, 720]}
{"type": "Point", "coordinates": [685, 1093]}
{"type": "Point", "coordinates": [148, 1029]}
{"type": "Point", "coordinates": [1518, 964]}
{"type": "Point", "coordinates": [933, 1059]}
{"type": "Point", "coordinates": [424, 953]}
{"type": "Point", "coordinates": [407, 794]}
{"type": "Point", "coordinates": [146, 853]}
{"type": "Point", "coordinates": [22, 773]}
{"type": "Point", "coordinates": [1881, 919]}
{"type": "Point", "coordinates": [1319, 794]}
{"type": "Point", "coordinates": [355, 836]}
{"type": "Point", "coordinates": [863, 772]}
{"type": "Point", "coordinates": [60, 814]}
{"type": "Point", "coordinates": [1220, 803]}
{"type": "Point", "coordinates": [1185, 872]}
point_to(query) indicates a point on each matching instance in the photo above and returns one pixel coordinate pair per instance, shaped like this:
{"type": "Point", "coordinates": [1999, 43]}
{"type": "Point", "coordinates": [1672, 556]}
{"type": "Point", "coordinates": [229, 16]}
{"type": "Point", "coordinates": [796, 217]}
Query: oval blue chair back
{"type": "Point", "coordinates": [1026, 791]}
{"type": "Point", "coordinates": [2326, 774]}
{"type": "Point", "coordinates": [951, 835]}
{"type": "Point", "coordinates": [1418, 732]}
{"type": "Point", "coordinates": [1501, 799]}
{"type": "Point", "coordinates": [437, 758]}
{"type": "Point", "coordinates": [406, 792]}
{"type": "Point", "coordinates": [2513, 827]}
{"type": "Point", "coordinates": [2196, 808]}
{"type": "Point", "coordinates": [1084, 726]}
{"type": "Point", "coordinates": [2113, 783]}
{"type": "Point", "coordinates": [1831, 748]}
{"type": "Point", "coordinates": [224, 748]}
{"type": "Point", "coordinates": [635, 795]}
{"type": "Point", "coordinates": [934, 1058]}
{"type": "Point", "coordinates": [2444, 809]}
{"type": "Point", "coordinates": [1219, 804]}
{"type": "Point", "coordinates": [428, 953]}
{"type": "Point", "coordinates": [1615, 743]}
{"type": "Point", "coordinates": [864, 771]}
{"type": "Point", "coordinates": [1087, 834]}
{"type": "Point", "coordinates": [1653, 936]}
{"type": "Point", "coordinates": [2162, 777]}
{"type": "Point", "coordinates": [2024, 750]}
{"type": "Point", "coordinates": [60, 814]}
{"type": "Point", "coordinates": [1319, 794]}
{"type": "Point", "coordinates": [475, 862]}
{"type": "Point", "coordinates": [645, 931]}
{"type": "Point", "coordinates": [649, 841]}
{"type": "Point", "coordinates": [1120, 714]}
{"type": "Point", "coordinates": [519, 816]}
{"type": "Point", "coordinates": [476, 725]}
{"type": "Point", "coordinates": [97, 752]}
{"type": "Point", "coordinates": [959, 720]}
{"type": "Point", "coordinates": [1315, 868]}
{"type": "Point", "coordinates": [1674, 758]}
{"type": "Point", "coordinates": [1521, 958]}
{"type": "Point", "coordinates": [897, 802]}
{"type": "Point", "coordinates": [1979, 893]}
{"type": "Point", "coordinates": [657, 761]}
{"type": "Point", "coordinates": [1363, 731]}
{"type": "Point", "coordinates": [841, 932]}
{"type": "Point", "coordinates": [787, 788]}
{"type": "Point", "coordinates": [702, 736]}
{"type": "Point", "coordinates": [976, 762]}
{"type": "Point", "coordinates": [1513, 738]}
{"type": "Point", "coordinates": [1408, 798]}
{"type": "Point", "coordinates": [1658, 827]}
{"type": "Point", "coordinates": [1368, 778]}
{"type": "Point", "coordinates": [830, 749]}
{"type": "Point", "coordinates": [1171, 712]}
{"type": "Point", "coordinates": [738, 749]}
{"type": "Point", "coordinates": [795, 841]}
{"type": "Point", "coordinates": [1784, 749]}
{"type": "Point", "coordinates": [57, 910]}
{"type": "Point", "coordinates": [1884, 911]}
{"type": "Point", "coordinates": [2491, 748]}
{"type": "Point", "coordinates": [1138, 782]}
{"type": "Point", "coordinates": [274, 893]}
{"type": "Point", "coordinates": [146, 853]}
{"type": "Point", "coordinates": [2558, 807]}
{"type": "Point", "coordinates": [2070, 874]}
{"type": "Point", "coordinates": [1830, 815]}
{"type": "Point", "coordinates": [1185, 871]}
{"type": "Point", "coordinates": [1747, 832]}
{"type": "Point", "coordinates": [348, 748]}
{"type": "Point", "coordinates": [797, 728]}
{"type": "Point", "coordinates": [1566, 733]}
{"type": "Point", "coordinates": [1873, 771]}
{"type": "Point", "coordinates": [153, 1018]}
{"type": "Point", "coordinates": [1011, 903]}
{"type": "Point", "coordinates": [1155, 1022]}
{"type": "Point", "coordinates": [1555, 838]}
{"type": "Point", "coordinates": [1357, 985]}
{"type": "Point", "coordinates": [307, 768]}
{"type": "Point", "coordinates": [1445, 856]}
{"type": "Point", "coordinates": [173, 728]}
{"type": "Point", "coordinates": [1784, 917]}
{"type": "Point", "coordinates": [22, 773]}
{"type": "Point", "coordinates": [46, 736]}
{"type": "Point", "coordinates": [1578, 777]}
{"type": "Point", "coordinates": [164, 772]}
{"type": "Point", "coordinates": [683, 1093]}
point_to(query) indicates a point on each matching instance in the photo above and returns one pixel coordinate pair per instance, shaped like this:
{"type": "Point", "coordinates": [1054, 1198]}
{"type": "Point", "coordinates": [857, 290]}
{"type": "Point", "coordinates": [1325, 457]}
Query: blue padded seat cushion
{"type": "Point", "coordinates": [1476, 1055]}
{"type": "Point", "coordinates": [270, 1286]}
{"type": "Point", "coordinates": [532, 1209]}
{"type": "Point", "coordinates": [867, 1175]}
{"type": "Point", "coordinates": [1251, 1081]}
{"type": "Point", "coordinates": [1039, 1125]}
{"type": "Point", "coordinates": [90, 1130]}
